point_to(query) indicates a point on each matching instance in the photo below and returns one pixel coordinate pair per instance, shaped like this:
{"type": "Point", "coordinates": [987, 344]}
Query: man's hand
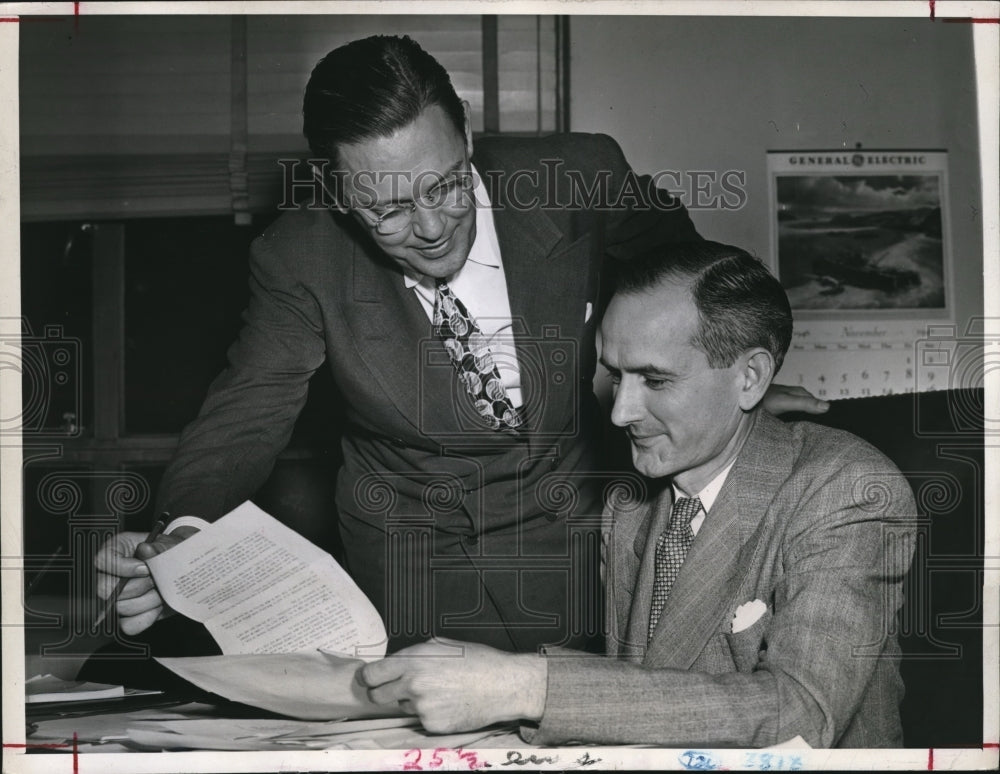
{"type": "Point", "coordinates": [140, 604]}
{"type": "Point", "coordinates": [782, 399]}
{"type": "Point", "coordinates": [459, 686]}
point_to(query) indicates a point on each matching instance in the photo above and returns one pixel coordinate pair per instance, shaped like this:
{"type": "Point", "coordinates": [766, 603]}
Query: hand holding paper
{"type": "Point", "coordinates": [458, 686]}
{"type": "Point", "coordinates": [259, 587]}
{"type": "Point", "coordinates": [273, 601]}
{"type": "Point", "coordinates": [124, 557]}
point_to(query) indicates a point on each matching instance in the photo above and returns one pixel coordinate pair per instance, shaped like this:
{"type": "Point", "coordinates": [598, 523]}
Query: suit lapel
{"type": "Point", "coordinates": [643, 550]}
{"type": "Point", "coordinates": [629, 575]}
{"type": "Point", "coordinates": [526, 239]}
{"type": "Point", "coordinates": [723, 551]}
{"type": "Point", "coordinates": [393, 336]}
{"type": "Point", "coordinates": [547, 289]}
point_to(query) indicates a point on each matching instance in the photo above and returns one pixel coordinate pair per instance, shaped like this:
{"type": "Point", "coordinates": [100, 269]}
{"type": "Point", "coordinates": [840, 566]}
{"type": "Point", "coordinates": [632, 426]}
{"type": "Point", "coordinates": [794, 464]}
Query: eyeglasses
{"type": "Point", "coordinates": [451, 195]}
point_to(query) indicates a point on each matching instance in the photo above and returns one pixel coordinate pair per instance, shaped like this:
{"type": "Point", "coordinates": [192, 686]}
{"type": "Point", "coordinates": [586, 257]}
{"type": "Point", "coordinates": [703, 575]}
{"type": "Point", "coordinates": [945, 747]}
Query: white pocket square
{"type": "Point", "coordinates": [748, 614]}
{"type": "Point", "coordinates": [589, 313]}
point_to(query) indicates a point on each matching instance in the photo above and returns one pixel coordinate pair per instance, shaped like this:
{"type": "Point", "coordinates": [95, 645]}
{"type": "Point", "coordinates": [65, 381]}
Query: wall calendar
{"type": "Point", "coordinates": [859, 240]}
{"type": "Point", "coordinates": [862, 359]}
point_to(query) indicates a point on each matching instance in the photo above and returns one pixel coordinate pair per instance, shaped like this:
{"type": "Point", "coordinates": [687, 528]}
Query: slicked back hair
{"type": "Point", "coordinates": [741, 305]}
{"type": "Point", "coordinates": [371, 88]}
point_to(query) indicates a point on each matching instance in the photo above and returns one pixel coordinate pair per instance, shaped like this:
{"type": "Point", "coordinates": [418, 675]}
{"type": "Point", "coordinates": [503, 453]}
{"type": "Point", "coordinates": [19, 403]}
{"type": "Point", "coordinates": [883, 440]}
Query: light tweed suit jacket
{"type": "Point", "coordinates": [812, 521]}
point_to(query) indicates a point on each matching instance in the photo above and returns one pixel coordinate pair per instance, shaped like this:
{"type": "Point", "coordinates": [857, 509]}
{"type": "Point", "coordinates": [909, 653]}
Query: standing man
{"type": "Point", "coordinates": [752, 596]}
{"type": "Point", "coordinates": [454, 296]}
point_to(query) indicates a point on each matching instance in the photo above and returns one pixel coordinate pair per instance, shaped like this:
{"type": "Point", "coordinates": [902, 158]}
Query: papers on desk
{"type": "Point", "coordinates": [259, 587]}
{"type": "Point", "coordinates": [104, 730]}
{"type": "Point", "coordinates": [198, 726]}
{"type": "Point", "coordinates": [264, 735]}
{"type": "Point", "coordinates": [42, 688]}
{"type": "Point", "coordinates": [268, 734]}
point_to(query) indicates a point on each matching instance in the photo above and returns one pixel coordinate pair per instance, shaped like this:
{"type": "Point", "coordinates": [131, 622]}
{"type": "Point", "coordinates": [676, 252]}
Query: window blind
{"type": "Point", "coordinates": [129, 116]}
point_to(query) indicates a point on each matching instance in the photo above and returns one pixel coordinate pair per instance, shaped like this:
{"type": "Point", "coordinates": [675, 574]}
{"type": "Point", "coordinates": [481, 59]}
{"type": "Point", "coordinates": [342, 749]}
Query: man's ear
{"type": "Point", "coordinates": [467, 110]}
{"type": "Point", "coordinates": [756, 370]}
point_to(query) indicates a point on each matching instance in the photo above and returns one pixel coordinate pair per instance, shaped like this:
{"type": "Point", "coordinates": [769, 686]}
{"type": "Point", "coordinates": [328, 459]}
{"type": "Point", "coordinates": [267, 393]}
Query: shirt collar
{"type": "Point", "coordinates": [711, 490]}
{"type": "Point", "coordinates": [481, 257]}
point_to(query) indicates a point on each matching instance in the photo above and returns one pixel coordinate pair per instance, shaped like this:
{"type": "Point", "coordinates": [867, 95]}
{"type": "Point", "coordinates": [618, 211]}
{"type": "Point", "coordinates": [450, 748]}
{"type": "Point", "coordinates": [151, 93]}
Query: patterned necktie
{"type": "Point", "coordinates": [470, 353]}
{"type": "Point", "coordinates": [671, 548]}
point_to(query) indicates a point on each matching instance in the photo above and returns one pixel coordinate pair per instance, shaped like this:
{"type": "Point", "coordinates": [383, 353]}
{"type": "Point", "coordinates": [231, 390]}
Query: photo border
{"type": "Point", "coordinates": [985, 41]}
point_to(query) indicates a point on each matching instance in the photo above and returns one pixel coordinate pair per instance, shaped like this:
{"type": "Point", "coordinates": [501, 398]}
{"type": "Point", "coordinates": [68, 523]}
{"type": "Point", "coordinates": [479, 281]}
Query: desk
{"type": "Point", "coordinates": [204, 726]}
{"type": "Point", "coordinates": [295, 745]}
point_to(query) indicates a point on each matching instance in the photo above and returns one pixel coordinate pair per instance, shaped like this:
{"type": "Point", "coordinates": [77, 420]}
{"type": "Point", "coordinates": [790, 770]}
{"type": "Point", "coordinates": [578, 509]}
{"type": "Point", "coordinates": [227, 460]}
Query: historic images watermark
{"type": "Point", "coordinates": [312, 184]}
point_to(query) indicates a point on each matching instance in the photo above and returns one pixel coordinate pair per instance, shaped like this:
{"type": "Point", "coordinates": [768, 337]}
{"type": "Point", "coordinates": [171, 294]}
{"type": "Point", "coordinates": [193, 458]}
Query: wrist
{"type": "Point", "coordinates": [534, 686]}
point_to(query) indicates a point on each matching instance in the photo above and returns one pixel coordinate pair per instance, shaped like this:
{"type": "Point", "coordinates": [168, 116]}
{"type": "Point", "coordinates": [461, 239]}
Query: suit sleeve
{"type": "Point", "coordinates": [834, 605]}
{"type": "Point", "coordinates": [247, 418]}
{"type": "Point", "coordinates": [640, 215]}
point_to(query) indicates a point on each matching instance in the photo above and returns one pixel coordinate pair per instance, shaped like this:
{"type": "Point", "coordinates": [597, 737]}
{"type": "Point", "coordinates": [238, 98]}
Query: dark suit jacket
{"type": "Point", "coordinates": [449, 528]}
{"type": "Point", "coordinates": [812, 521]}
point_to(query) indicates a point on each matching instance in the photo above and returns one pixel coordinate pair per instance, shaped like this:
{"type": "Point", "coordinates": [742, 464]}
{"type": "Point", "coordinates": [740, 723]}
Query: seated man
{"type": "Point", "coordinates": [752, 596]}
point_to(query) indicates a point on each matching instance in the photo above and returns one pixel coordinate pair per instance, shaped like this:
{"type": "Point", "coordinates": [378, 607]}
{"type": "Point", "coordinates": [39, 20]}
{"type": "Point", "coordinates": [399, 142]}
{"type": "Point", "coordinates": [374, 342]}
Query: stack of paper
{"type": "Point", "coordinates": [105, 730]}
{"type": "Point", "coordinates": [267, 734]}
{"type": "Point", "coordinates": [378, 734]}
{"type": "Point", "coordinates": [50, 688]}
{"type": "Point", "coordinates": [197, 726]}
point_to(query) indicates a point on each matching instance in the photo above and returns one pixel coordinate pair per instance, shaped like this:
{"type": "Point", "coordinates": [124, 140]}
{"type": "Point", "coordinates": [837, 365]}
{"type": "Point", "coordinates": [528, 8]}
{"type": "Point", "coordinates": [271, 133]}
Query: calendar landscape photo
{"type": "Point", "coordinates": [861, 241]}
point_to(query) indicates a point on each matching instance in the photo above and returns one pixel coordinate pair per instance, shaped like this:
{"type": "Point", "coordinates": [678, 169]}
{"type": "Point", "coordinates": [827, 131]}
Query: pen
{"type": "Point", "coordinates": [42, 572]}
{"type": "Point", "coordinates": [158, 527]}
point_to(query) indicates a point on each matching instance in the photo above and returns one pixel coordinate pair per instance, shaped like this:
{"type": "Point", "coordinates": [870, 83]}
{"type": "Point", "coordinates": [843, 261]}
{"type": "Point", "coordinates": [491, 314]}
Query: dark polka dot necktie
{"type": "Point", "coordinates": [470, 353]}
{"type": "Point", "coordinates": [671, 549]}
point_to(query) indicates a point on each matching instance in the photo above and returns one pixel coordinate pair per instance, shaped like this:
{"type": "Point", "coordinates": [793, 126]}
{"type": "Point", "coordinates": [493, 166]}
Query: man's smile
{"type": "Point", "coordinates": [436, 250]}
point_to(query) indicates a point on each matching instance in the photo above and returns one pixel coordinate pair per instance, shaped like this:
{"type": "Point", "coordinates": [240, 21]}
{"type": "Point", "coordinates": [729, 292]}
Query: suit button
{"type": "Point", "coordinates": [471, 540]}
